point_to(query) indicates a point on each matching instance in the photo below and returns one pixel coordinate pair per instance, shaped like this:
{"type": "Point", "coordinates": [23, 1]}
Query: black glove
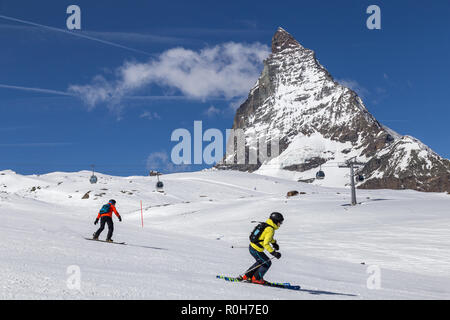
{"type": "Point", "coordinates": [120, 218]}
{"type": "Point", "coordinates": [276, 246]}
{"type": "Point", "coordinates": [276, 254]}
{"type": "Point", "coordinates": [96, 221]}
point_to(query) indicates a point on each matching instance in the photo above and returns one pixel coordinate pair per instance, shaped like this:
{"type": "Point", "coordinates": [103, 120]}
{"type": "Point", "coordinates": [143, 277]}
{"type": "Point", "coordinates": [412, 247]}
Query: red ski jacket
{"type": "Point", "coordinates": [109, 213]}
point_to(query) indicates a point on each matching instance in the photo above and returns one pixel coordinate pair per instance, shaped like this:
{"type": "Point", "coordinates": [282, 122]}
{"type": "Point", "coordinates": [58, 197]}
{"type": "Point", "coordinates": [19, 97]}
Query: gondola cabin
{"type": "Point", "coordinates": [93, 179]}
{"type": "Point", "coordinates": [320, 175]}
{"type": "Point", "coordinates": [160, 186]}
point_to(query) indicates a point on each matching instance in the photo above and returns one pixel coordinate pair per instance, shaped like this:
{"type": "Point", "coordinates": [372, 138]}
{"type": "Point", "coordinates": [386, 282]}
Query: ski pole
{"type": "Point", "coordinates": [259, 265]}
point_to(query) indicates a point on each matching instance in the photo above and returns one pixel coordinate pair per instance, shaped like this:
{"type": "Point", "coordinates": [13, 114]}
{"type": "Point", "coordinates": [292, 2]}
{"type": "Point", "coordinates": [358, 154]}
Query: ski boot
{"type": "Point", "coordinates": [109, 240]}
{"type": "Point", "coordinates": [258, 281]}
{"type": "Point", "coordinates": [94, 237]}
{"type": "Point", "coordinates": [245, 278]}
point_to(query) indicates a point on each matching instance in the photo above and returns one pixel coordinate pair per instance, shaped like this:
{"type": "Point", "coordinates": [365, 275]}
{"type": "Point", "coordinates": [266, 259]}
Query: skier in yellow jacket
{"type": "Point", "coordinates": [262, 239]}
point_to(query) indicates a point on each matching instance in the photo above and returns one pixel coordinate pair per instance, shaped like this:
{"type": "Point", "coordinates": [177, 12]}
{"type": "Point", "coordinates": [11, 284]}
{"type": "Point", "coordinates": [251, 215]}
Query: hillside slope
{"type": "Point", "coordinates": [189, 232]}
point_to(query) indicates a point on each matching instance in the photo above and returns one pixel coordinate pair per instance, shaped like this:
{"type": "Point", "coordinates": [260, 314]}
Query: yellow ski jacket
{"type": "Point", "coordinates": [266, 237]}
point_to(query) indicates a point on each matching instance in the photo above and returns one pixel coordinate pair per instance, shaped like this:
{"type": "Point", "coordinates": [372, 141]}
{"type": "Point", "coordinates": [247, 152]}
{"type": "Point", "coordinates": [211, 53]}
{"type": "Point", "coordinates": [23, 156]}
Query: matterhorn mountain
{"type": "Point", "coordinates": [321, 124]}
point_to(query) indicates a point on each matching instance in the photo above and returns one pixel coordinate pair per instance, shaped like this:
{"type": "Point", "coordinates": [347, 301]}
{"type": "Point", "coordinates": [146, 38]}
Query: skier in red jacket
{"type": "Point", "coordinates": [105, 216]}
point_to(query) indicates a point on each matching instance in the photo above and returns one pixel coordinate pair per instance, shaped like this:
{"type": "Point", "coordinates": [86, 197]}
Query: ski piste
{"type": "Point", "coordinates": [285, 285]}
{"type": "Point", "coordinates": [106, 241]}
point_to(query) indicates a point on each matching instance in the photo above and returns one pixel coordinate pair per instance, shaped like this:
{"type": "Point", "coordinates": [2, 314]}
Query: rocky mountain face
{"type": "Point", "coordinates": [407, 164]}
{"type": "Point", "coordinates": [320, 124]}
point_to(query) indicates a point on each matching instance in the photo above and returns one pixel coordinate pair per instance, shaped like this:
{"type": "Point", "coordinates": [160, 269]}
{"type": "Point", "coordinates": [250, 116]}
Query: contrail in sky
{"type": "Point", "coordinates": [64, 93]}
{"type": "Point", "coordinates": [75, 33]}
{"type": "Point", "coordinates": [39, 90]}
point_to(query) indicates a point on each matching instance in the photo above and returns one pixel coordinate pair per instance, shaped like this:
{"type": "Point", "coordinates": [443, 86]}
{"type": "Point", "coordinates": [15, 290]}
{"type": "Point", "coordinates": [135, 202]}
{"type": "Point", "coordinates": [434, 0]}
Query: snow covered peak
{"type": "Point", "coordinates": [320, 122]}
{"type": "Point", "coordinates": [282, 40]}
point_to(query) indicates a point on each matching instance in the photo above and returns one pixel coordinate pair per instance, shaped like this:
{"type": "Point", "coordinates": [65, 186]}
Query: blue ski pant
{"type": "Point", "coordinates": [261, 259]}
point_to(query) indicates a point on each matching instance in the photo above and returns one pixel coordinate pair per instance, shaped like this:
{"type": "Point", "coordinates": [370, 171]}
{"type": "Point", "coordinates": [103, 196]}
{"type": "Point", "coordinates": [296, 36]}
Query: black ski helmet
{"type": "Point", "coordinates": [276, 217]}
{"type": "Point", "coordinates": [113, 202]}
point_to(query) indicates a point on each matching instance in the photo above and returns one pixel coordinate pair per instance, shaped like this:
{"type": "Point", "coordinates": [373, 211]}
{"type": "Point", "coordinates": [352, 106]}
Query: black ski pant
{"type": "Point", "coordinates": [261, 259]}
{"type": "Point", "coordinates": [105, 220]}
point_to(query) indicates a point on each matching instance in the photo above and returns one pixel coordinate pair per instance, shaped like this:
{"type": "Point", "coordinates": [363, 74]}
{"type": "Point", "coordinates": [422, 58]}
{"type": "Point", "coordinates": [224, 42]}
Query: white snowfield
{"type": "Point", "coordinates": [394, 245]}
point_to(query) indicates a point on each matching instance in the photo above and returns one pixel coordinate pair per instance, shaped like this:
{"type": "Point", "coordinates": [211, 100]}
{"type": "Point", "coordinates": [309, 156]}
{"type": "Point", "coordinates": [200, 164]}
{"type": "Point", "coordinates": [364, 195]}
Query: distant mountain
{"type": "Point", "coordinates": [321, 123]}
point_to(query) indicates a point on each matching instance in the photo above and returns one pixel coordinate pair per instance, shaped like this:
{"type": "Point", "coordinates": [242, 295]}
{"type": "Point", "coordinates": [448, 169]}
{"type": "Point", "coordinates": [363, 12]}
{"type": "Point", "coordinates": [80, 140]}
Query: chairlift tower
{"type": "Point", "coordinates": [352, 164]}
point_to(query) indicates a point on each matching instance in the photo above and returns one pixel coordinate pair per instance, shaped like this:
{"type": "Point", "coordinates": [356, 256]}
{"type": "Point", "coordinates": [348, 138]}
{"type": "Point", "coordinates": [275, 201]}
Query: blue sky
{"type": "Point", "coordinates": [57, 112]}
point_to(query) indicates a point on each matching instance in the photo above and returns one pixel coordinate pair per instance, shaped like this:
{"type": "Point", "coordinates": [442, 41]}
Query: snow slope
{"type": "Point", "coordinates": [189, 232]}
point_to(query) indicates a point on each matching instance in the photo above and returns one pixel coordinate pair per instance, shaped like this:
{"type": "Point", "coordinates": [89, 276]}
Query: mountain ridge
{"type": "Point", "coordinates": [296, 100]}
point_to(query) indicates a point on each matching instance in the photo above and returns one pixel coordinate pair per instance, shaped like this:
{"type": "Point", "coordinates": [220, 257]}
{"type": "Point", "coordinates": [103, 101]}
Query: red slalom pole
{"type": "Point", "coordinates": [142, 216]}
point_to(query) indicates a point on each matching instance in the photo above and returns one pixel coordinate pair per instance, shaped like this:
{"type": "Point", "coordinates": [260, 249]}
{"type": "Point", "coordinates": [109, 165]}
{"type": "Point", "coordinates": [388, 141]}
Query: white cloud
{"type": "Point", "coordinates": [99, 91]}
{"type": "Point", "coordinates": [234, 105]}
{"type": "Point", "coordinates": [224, 71]}
{"type": "Point", "coordinates": [159, 161]}
{"type": "Point", "coordinates": [355, 86]}
{"type": "Point", "coordinates": [212, 111]}
{"type": "Point", "coordinates": [150, 115]}
{"type": "Point", "coordinates": [156, 159]}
